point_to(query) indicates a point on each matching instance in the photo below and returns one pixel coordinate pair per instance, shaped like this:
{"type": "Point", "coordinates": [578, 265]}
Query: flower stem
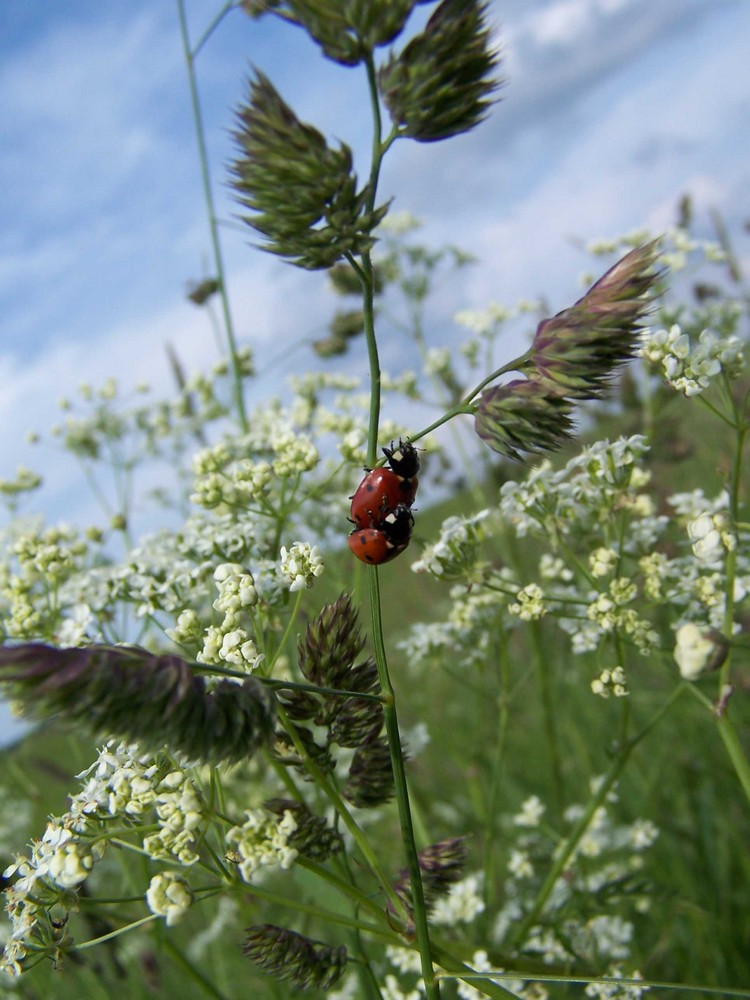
{"type": "Point", "coordinates": [234, 360]}
{"type": "Point", "coordinates": [342, 811]}
{"type": "Point", "coordinates": [432, 990]}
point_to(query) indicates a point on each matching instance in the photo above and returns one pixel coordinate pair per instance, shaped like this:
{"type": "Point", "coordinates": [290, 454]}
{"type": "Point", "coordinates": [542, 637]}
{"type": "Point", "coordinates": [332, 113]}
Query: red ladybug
{"type": "Point", "coordinates": [380, 545]}
{"type": "Point", "coordinates": [383, 490]}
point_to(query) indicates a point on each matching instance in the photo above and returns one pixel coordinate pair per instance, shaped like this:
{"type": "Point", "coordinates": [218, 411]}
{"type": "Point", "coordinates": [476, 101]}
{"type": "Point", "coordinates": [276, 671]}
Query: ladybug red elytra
{"type": "Point", "coordinates": [383, 490]}
{"type": "Point", "coordinates": [379, 545]}
{"type": "Point", "coordinates": [380, 492]}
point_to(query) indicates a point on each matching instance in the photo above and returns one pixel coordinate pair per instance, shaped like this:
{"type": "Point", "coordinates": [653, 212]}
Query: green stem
{"type": "Point", "coordinates": [735, 750]}
{"type": "Point", "coordinates": [544, 684]}
{"type": "Point", "coordinates": [493, 803]}
{"type": "Point", "coordinates": [229, 5]}
{"type": "Point", "coordinates": [115, 933]}
{"type": "Point", "coordinates": [641, 984]}
{"type": "Point", "coordinates": [342, 811]}
{"type": "Point", "coordinates": [466, 405]}
{"type": "Point", "coordinates": [727, 730]}
{"type": "Point", "coordinates": [212, 220]}
{"type": "Point", "coordinates": [432, 990]}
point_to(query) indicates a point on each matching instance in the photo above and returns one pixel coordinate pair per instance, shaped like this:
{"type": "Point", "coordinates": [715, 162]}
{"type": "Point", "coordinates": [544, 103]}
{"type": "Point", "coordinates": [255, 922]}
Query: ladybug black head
{"type": "Point", "coordinates": [397, 525]}
{"type": "Point", "coordinates": [404, 460]}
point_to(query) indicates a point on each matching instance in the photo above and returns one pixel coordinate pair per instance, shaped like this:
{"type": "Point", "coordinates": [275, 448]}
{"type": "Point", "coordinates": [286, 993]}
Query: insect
{"type": "Point", "coordinates": [389, 539]}
{"type": "Point", "coordinates": [383, 490]}
{"type": "Point", "coordinates": [404, 460]}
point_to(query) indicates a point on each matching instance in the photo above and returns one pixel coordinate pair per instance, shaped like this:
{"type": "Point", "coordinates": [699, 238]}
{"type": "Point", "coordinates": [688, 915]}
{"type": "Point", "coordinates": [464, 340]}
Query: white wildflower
{"type": "Point", "coordinates": [301, 564]}
{"type": "Point", "coordinates": [169, 896]}
{"type": "Point", "coordinates": [532, 810]}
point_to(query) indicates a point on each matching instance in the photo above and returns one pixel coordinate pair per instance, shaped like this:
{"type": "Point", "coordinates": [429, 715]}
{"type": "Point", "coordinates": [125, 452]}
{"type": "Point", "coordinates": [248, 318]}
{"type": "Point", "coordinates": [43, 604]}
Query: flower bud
{"type": "Point", "coordinates": [301, 191]}
{"type": "Point", "coordinates": [523, 415]}
{"type": "Point", "coordinates": [370, 781]}
{"type": "Point", "coordinates": [346, 30]}
{"type": "Point", "coordinates": [127, 692]}
{"type": "Point", "coordinates": [699, 650]}
{"type": "Point", "coordinates": [440, 84]}
{"type": "Point", "coordinates": [580, 349]}
{"type": "Point", "coordinates": [292, 958]}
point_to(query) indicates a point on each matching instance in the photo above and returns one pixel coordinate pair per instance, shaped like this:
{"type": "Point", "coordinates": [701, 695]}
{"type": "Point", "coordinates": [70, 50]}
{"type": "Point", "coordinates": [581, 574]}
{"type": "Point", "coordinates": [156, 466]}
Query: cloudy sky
{"type": "Point", "coordinates": [611, 110]}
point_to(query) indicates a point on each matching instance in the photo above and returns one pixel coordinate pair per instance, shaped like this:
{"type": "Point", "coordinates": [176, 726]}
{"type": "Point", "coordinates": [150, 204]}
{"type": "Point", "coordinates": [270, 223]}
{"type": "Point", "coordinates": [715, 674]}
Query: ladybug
{"type": "Point", "coordinates": [383, 490]}
{"type": "Point", "coordinates": [381, 544]}
{"type": "Point", "coordinates": [404, 460]}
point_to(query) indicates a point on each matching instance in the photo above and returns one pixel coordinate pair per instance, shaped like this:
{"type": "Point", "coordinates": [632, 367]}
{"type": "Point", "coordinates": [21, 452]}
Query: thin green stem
{"type": "Point", "coordinates": [115, 933]}
{"type": "Point", "coordinates": [466, 405]}
{"type": "Point", "coordinates": [231, 339]}
{"type": "Point", "coordinates": [493, 803]}
{"type": "Point", "coordinates": [735, 751]}
{"type": "Point", "coordinates": [544, 684]}
{"type": "Point", "coordinates": [213, 25]}
{"type": "Point", "coordinates": [342, 811]}
{"type": "Point", "coordinates": [480, 978]}
{"type": "Point", "coordinates": [432, 990]}
{"type": "Point", "coordinates": [345, 888]}
{"type": "Point", "coordinates": [511, 366]}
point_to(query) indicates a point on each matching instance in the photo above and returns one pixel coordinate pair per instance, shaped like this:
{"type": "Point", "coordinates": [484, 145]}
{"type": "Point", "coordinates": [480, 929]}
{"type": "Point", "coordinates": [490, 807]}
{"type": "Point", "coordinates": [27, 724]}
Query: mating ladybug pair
{"type": "Point", "coordinates": [381, 507]}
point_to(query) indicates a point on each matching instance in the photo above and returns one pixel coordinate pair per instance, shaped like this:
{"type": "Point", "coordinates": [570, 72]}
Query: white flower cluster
{"type": "Point", "coordinates": [300, 565]}
{"type": "Point", "coordinates": [229, 642]}
{"type": "Point", "coordinates": [690, 368]}
{"type": "Point", "coordinates": [611, 682]}
{"type": "Point", "coordinates": [169, 896]}
{"type": "Point", "coordinates": [180, 812]}
{"type": "Point", "coordinates": [462, 903]}
{"type": "Point", "coordinates": [712, 537]}
{"type": "Point", "coordinates": [696, 650]}
{"type": "Point", "coordinates": [604, 856]}
{"type": "Point", "coordinates": [532, 810]}
{"type": "Point", "coordinates": [262, 840]}
{"type": "Point", "coordinates": [617, 991]}
{"type": "Point", "coordinates": [604, 476]}
{"type": "Point", "coordinates": [529, 604]}
{"type": "Point", "coordinates": [603, 561]}
{"type": "Point", "coordinates": [455, 552]}
{"type": "Point", "coordinates": [608, 611]}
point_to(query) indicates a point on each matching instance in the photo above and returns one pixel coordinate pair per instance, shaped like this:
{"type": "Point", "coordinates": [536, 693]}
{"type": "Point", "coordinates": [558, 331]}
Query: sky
{"type": "Point", "coordinates": [610, 110]}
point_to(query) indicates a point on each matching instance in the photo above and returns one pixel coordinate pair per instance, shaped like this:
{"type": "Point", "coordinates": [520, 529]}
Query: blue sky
{"type": "Point", "coordinates": [612, 109]}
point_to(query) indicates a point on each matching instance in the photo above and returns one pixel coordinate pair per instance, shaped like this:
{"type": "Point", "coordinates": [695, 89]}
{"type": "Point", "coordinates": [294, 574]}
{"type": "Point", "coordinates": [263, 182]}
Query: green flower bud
{"type": "Point", "coordinates": [523, 415]}
{"type": "Point", "coordinates": [440, 84]}
{"type": "Point", "coordinates": [201, 292]}
{"type": "Point", "coordinates": [346, 30]}
{"type": "Point", "coordinates": [370, 781]}
{"type": "Point", "coordinates": [155, 701]}
{"type": "Point", "coordinates": [302, 192]}
{"type": "Point", "coordinates": [329, 347]}
{"type": "Point", "coordinates": [292, 958]}
{"type": "Point", "coordinates": [348, 324]}
{"type": "Point", "coordinates": [313, 837]}
{"type": "Point", "coordinates": [345, 280]}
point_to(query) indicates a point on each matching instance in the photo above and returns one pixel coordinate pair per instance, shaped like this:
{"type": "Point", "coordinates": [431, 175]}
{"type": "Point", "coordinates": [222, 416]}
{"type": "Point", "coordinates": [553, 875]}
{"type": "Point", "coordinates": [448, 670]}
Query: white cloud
{"type": "Point", "coordinates": [80, 111]}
